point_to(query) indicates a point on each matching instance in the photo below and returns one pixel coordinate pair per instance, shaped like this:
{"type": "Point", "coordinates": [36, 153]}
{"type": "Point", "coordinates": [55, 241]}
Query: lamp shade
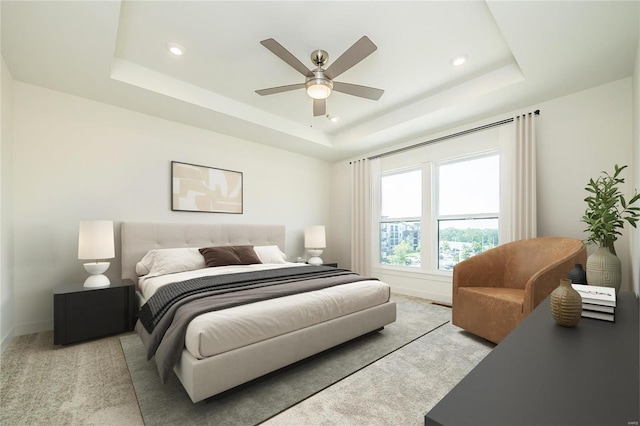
{"type": "Point", "coordinates": [95, 240]}
{"type": "Point", "coordinates": [314, 237]}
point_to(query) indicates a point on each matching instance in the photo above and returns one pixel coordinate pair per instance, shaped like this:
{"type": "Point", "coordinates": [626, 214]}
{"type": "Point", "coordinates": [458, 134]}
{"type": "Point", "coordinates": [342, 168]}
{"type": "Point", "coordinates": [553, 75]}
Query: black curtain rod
{"type": "Point", "coordinates": [444, 138]}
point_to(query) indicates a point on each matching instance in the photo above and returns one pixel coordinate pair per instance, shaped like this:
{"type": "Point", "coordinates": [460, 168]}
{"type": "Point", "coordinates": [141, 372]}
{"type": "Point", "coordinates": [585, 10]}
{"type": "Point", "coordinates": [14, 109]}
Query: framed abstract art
{"type": "Point", "coordinates": [197, 188]}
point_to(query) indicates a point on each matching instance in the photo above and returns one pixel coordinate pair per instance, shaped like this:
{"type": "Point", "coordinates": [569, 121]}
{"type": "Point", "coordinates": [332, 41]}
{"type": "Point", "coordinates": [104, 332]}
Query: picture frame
{"type": "Point", "coordinates": [196, 188]}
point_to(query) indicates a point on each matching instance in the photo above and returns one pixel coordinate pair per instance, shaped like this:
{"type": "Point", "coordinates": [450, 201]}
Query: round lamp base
{"type": "Point", "coordinates": [96, 279]}
{"type": "Point", "coordinates": [315, 257]}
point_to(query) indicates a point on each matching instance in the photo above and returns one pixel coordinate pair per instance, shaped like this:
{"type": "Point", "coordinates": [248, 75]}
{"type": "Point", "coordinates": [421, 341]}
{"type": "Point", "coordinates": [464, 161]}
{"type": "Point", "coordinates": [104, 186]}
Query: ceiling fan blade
{"type": "Point", "coordinates": [357, 90]}
{"type": "Point", "coordinates": [357, 52]}
{"type": "Point", "coordinates": [319, 107]}
{"type": "Point", "coordinates": [282, 53]}
{"type": "Point", "coordinates": [279, 89]}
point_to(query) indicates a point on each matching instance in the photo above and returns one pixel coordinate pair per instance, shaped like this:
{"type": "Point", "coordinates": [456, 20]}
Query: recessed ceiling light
{"type": "Point", "coordinates": [333, 119]}
{"type": "Point", "coordinates": [459, 60]}
{"type": "Point", "coordinates": [175, 48]}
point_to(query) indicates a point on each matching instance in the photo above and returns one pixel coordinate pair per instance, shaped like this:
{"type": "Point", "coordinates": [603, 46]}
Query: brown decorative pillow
{"type": "Point", "coordinates": [219, 256]}
{"type": "Point", "coordinates": [229, 255]}
{"type": "Point", "coordinates": [246, 254]}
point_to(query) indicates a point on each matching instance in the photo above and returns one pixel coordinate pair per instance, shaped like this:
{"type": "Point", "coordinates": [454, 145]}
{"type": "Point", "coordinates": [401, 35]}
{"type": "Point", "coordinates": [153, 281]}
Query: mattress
{"type": "Point", "coordinates": [220, 331]}
{"type": "Point", "coordinates": [217, 332]}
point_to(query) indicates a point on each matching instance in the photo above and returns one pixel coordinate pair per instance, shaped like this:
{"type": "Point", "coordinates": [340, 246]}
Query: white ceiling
{"type": "Point", "coordinates": [520, 53]}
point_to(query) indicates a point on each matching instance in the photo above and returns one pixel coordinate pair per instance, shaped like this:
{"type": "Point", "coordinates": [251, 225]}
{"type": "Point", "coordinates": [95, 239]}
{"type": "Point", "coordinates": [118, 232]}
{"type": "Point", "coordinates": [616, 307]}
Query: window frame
{"type": "Point", "coordinates": [437, 217]}
{"type": "Point", "coordinates": [429, 219]}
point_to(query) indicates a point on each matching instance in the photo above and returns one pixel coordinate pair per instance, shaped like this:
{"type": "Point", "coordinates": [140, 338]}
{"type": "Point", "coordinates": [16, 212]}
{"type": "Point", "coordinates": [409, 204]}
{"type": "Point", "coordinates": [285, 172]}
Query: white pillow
{"type": "Point", "coordinates": [142, 269]}
{"type": "Point", "coordinates": [270, 254]}
{"type": "Point", "coordinates": [169, 261]}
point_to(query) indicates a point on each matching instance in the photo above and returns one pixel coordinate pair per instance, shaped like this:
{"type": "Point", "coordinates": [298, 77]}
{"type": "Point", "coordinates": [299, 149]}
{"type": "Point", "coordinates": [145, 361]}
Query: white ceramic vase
{"type": "Point", "coordinates": [604, 269]}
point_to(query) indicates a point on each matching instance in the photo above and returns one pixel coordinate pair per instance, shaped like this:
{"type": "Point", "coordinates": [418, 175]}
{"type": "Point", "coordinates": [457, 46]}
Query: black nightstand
{"type": "Point", "coordinates": [81, 313]}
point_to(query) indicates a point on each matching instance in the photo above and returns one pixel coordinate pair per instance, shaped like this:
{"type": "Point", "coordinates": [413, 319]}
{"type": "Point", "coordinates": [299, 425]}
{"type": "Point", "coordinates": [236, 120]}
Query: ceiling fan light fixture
{"type": "Point", "coordinates": [319, 82]}
{"type": "Point", "coordinates": [319, 88]}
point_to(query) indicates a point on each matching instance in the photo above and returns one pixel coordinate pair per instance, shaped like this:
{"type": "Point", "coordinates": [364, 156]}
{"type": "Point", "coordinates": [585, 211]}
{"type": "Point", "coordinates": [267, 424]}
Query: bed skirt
{"type": "Point", "coordinates": [210, 376]}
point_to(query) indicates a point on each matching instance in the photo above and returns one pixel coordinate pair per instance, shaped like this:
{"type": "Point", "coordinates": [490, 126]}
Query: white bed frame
{"type": "Point", "coordinates": [207, 377]}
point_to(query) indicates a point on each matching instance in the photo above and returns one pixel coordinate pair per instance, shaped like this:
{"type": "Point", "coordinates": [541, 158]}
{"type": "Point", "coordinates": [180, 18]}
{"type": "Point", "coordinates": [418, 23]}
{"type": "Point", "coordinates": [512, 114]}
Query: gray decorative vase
{"type": "Point", "coordinates": [604, 269]}
{"type": "Point", "coordinates": [566, 304]}
{"type": "Point", "coordinates": [577, 275]}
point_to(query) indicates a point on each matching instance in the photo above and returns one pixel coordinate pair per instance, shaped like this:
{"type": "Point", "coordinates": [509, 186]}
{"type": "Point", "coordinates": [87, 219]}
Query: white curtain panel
{"type": "Point", "coordinates": [523, 189]}
{"type": "Point", "coordinates": [361, 208]}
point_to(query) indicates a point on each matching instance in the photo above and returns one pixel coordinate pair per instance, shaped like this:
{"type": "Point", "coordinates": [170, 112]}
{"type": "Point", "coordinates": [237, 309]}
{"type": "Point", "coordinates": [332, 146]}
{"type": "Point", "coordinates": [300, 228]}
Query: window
{"type": "Point", "coordinates": [467, 208]}
{"type": "Point", "coordinates": [434, 216]}
{"type": "Point", "coordinates": [401, 211]}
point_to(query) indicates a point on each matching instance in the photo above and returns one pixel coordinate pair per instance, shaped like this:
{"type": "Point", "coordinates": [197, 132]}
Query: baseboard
{"type": "Point", "coordinates": [6, 340]}
{"type": "Point", "coordinates": [434, 286]}
{"type": "Point", "coordinates": [34, 327]}
{"type": "Point", "coordinates": [434, 297]}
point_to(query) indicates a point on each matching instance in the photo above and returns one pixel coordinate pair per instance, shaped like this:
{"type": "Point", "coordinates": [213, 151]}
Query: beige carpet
{"type": "Point", "coordinates": [81, 384]}
{"type": "Point", "coordinates": [397, 390]}
{"type": "Point", "coordinates": [89, 383]}
{"type": "Point", "coordinates": [169, 404]}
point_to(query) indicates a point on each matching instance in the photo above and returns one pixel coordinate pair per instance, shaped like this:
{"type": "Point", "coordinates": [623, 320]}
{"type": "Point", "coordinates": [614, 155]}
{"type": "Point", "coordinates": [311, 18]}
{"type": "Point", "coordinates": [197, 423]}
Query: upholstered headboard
{"type": "Point", "coordinates": [140, 237]}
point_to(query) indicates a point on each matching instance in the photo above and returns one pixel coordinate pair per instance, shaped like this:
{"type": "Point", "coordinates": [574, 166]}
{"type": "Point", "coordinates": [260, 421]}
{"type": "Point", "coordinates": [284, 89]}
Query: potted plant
{"type": "Point", "coordinates": [605, 216]}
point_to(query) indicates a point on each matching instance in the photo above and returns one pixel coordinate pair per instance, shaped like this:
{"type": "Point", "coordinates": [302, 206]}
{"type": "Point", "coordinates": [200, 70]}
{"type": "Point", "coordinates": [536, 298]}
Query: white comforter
{"type": "Point", "coordinates": [220, 331]}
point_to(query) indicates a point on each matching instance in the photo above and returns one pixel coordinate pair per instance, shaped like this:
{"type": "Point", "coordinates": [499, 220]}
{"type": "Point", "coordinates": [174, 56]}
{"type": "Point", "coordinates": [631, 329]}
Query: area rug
{"type": "Point", "coordinates": [264, 398]}
{"type": "Point", "coordinates": [399, 389]}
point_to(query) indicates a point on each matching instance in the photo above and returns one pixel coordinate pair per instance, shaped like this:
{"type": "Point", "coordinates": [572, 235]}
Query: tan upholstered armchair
{"type": "Point", "coordinates": [493, 291]}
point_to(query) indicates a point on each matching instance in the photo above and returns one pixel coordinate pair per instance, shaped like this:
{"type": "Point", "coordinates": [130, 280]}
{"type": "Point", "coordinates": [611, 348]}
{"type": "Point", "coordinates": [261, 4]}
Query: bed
{"type": "Point", "coordinates": [232, 343]}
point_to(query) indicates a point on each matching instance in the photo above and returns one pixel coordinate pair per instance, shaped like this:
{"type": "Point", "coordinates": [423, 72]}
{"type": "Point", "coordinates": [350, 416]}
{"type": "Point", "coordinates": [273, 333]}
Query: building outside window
{"type": "Point", "coordinates": [401, 211]}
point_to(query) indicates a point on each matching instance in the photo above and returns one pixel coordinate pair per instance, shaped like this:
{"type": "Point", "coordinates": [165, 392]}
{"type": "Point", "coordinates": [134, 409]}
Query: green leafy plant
{"type": "Point", "coordinates": [608, 210]}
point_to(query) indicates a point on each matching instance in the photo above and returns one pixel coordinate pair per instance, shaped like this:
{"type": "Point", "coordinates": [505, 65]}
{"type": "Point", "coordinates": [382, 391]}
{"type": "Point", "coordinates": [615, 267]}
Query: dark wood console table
{"type": "Point", "coordinates": [545, 374]}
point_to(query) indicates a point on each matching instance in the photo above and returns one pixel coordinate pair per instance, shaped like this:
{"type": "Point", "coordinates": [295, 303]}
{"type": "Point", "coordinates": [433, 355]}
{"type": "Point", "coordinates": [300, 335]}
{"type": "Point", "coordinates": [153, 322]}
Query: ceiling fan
{"type": "Point", "coordinates": [319, 82]}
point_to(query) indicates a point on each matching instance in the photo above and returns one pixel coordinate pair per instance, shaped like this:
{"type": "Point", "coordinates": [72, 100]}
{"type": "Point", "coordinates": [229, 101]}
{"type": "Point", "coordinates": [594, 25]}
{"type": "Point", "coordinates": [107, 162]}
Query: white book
{"type": "Point", "coordinates": [596, 295]}
{"type": "Point", "coordinates": [599, 308]}
{"type": "Point", "coordinates": [599, 315]}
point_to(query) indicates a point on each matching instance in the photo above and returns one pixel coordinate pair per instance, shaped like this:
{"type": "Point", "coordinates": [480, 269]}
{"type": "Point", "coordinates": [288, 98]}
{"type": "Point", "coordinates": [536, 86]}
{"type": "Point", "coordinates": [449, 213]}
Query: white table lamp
{"type": "Point", "coordinates": [95, 241]}
{"type": "Point", "coordinates": [314, 242]}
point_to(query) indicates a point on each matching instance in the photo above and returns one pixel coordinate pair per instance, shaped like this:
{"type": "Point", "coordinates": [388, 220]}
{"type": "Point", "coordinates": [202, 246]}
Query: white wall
{"type": "Point", "coordinates": [6, 224]}
{"type": "Point", "coordinates": [78, 159]}
{"type": "Point", "coordinates": [578, 136]}
{"type": "Point", "coordinates": [635, 235]}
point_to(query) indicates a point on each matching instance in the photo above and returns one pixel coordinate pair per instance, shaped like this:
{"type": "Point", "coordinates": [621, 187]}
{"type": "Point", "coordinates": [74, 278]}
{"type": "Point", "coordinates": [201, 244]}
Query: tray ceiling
{"type": "Point", "coordinates": [519, 53]}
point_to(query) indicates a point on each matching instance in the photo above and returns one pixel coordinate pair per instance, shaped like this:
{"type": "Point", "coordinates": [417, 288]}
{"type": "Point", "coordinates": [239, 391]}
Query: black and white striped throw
{"type": "Point", "coordinates": [151, 312]}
